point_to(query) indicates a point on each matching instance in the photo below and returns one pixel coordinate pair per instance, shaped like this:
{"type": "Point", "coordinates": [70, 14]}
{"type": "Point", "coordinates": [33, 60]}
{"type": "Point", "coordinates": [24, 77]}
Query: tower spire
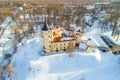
{"type": "Point", "coordinates": [45, 27]}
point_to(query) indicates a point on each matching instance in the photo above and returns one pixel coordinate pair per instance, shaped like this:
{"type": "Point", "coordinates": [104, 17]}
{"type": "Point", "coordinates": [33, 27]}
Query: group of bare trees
{"type": "Point", "coordinates": [65, 15]}
{"type": "Point", "coordinates": [110, 20]}
{"type": "Point", "coordinates": [115, 16]}
{"type": "Point", "coordinates": [114, 21]}
{"type": "Point", "coordinates": [58, 14]}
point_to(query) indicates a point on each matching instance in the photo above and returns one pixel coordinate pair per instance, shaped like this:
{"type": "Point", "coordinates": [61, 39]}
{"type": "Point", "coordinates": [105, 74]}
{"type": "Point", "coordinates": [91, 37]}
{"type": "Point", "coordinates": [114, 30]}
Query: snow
{"type": "Point", "coordinates": [90, 6]}
{"type": "Point", "coordinates": [82, 46]}
{"type": "Point", "coordinates": [101, 42]}
{"type": "Point", "coordinates": [88, 18]}
{"type": "Point", "coordinates": [66, 38]}
{"type": "Point", "coordinates": [21, 16]}
{"type": "Point", "coordinates": [4, 39]}
{"type": "Point", "coordinates": [102, 13]}
{"type": "Point", "coordinates": [108, 35]}
{"type": "Point", "coordinates": [1, 58]}
{"type": "Point", "coordinates": [29, 63]}
{"type": "Point", "coordinates": [67, 33]}
{"type": "Point", "coordinates": [21, 8]}
{"type": "Point", "coordinates": [94, 65]}
{"type": "Point", "coordinates": [75, 27]}
{"type": "Point", "coordinates": [29, 51]}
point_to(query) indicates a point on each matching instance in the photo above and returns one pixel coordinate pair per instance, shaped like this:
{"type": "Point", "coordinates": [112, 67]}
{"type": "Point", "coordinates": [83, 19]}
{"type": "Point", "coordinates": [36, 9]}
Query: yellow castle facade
{"type": "Point", "coordinates": [55, 41]}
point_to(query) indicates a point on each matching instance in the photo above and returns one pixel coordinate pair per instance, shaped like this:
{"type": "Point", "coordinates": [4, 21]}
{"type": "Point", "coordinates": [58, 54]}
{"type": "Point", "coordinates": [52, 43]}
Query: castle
{"type": "Point", "coordinates": [55, 39]}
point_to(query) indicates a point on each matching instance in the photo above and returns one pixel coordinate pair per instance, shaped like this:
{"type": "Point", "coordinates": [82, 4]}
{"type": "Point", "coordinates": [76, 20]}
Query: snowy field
{"type": "Point", "coordinates": [28, 64]}
{"type": "Point", "coordinates": [96, 65]}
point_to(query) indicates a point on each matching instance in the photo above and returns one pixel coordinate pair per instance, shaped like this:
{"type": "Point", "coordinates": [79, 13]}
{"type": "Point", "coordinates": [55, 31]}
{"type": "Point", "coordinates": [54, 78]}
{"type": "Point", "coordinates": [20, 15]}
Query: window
{"type": "Point", "coordinates": [49, 36]}
{"type": "Point", "coordinates": [60, 47]}
{"type": "Point", "coordinates": [56, 50]}
{"type": "Point", "coordinates": [68, 43]}
{"type": "Point", "coordinates": [42, 36]}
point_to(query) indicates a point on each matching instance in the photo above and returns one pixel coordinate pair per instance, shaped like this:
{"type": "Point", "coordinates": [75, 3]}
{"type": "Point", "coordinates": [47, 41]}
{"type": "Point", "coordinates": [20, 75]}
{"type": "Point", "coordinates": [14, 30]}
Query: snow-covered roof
{"type": "Point", "coordinates": [21, 16]}
{"type": "Point", "coordinates": [103, 3]}
{"type": "Point", "coordinates": [82, 46]}
{"type": "Point", "coordinates": [99, 42]}
{"type": "Point", "coordinates": [6, 21]}
{"type": "Point", "coordinates": [89, 6]}
{"type": "Point", "coordinates": [66, 38]}
{"type": "Point", "coordinates": [65, 33]}
{"type": "Point", "coordinates": [62, 39]}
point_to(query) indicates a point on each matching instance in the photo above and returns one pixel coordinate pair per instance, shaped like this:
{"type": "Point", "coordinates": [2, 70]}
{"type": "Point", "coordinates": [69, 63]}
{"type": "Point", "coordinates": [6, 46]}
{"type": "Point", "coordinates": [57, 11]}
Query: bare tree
{"type": "Point", "coordinates": [114, 21]}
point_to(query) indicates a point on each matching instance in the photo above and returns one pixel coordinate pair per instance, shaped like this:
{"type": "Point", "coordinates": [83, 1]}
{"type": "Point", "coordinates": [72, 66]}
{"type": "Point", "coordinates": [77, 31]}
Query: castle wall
{"type": "Point", "coordinates": [48, 36]}
{"type": "Point", "coordinates": [78, 38]}
{"type": "Point", "coordinates": [50, 46]}
{"type": "Point", "coordinates": [60, 46]}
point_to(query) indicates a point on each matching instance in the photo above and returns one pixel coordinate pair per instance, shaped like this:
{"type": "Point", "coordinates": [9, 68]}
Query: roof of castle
{"type": "Point", "coordinates": [63, 39]}
{"type": "Point", "coordinates": [45, 27]}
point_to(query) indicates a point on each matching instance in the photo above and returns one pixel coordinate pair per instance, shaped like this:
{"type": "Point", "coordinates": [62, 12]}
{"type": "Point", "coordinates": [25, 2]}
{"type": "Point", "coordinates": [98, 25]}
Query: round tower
{"type": "Point", "coordinates": [47, 35]}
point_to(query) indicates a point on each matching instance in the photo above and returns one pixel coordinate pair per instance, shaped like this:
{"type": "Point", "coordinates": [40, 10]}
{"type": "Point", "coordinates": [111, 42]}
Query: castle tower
{"type": "Point", "coordinates": [47, 35]}
{"type": "Point", "coordinates": [56, 31]}
{"type": "Point", "coordinates": [78, 37]}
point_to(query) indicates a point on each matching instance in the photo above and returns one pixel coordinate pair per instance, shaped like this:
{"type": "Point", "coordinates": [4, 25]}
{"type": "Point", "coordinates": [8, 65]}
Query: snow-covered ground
{"type": "Point", "coordinates": [28, 64]}
{"type": "Point", "coordinates": [108, 34]}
